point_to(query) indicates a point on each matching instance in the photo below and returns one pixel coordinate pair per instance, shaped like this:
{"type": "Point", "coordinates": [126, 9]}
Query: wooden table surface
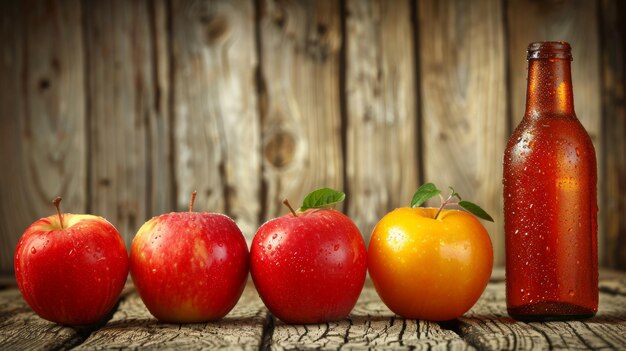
{"type": "Point", "coordinates": [370, 326]}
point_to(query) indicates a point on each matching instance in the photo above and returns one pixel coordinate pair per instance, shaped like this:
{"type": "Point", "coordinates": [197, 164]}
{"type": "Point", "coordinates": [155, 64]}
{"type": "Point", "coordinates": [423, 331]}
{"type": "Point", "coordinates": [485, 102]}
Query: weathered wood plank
{"type": "Point", "coordinates": [14, 215]}
{"type": "Point", "coordinates": [301, 123]}
{"type": "Point", "coordinates": [133, 327]}
{"type": "Point", "coordinates": [381, 159]}
{"type": "Point", "coordinates": [122, 109]}
{"type": "Point", "coordinates": [217, 137]}
{"type": "Point", "coordinates": [160, 162]}
{"type": "Point", "coordinates": [43, 115]}
{"type": "Point", "coordinates": [613, 55]}
{"type": "Point", "coordinates": [487, 325]}
{"type": "Point", "coordinates": [462, 59]}
{"type": "Point", "coordinates": [22, 329]}
{"type": "Point", "coordinates": [370, 325]}
{"type": "Point", "coordinates": [574, 21]}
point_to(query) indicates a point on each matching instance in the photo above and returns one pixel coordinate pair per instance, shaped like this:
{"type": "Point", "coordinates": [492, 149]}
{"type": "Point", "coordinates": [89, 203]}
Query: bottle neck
{"type": "Point", "coordinates": [549, 90]}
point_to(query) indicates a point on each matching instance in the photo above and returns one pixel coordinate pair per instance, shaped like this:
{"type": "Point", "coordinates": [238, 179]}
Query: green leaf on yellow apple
{"type": "Point", "coordinates": [430, 190]}
{"type": "Point", "coordinates": [475, 210]}
{"type": "Point", "coordinates": [424, 193]}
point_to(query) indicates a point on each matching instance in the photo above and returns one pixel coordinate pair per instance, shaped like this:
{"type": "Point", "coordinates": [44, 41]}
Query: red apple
{"type": "Point", "coordinates": [309, 266]}
{"type": "Point", "coordinates": [188, 266]}
{"type": "Point", "coordinates": [71, 268]}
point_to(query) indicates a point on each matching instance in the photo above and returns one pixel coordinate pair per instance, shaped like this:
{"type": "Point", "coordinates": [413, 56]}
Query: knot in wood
{"type": "Point", "coordinates": [216, 28]}
{"type": "Point", "coordinates": [280, 149]}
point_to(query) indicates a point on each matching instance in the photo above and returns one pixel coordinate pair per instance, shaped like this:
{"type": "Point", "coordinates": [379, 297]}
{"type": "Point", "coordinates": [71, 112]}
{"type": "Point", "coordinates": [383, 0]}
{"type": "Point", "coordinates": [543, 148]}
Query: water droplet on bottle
{"type": "Point", "coordinates": [33, 250]}
{"type": "Point", "coordinates": [336, 248]}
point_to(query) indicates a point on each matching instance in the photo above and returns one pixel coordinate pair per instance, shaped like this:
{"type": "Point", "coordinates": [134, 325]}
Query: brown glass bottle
{"type": "Point", "coordinates": [550, 204]}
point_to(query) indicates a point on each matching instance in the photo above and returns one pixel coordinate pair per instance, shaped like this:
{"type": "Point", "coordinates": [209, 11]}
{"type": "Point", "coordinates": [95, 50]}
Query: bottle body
{"type": "Point", "coordinates": [550, 204]}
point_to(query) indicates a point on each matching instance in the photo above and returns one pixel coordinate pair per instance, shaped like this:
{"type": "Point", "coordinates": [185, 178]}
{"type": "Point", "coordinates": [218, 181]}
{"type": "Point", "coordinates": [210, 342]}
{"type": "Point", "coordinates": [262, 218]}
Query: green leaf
{"type": "Point", "coordinates": [475, 210]}
{"type": "Point", "coordinates": [322, 198]}
{"type": "Point", "coordinates": [424, 193]}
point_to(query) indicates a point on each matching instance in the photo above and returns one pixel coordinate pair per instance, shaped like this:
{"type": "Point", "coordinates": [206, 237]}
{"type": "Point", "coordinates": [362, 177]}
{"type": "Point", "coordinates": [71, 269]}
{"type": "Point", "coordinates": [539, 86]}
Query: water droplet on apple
{"type": "Point", "coordinates": [340, 265]}
{"type": "Point", "coordinates": [269, 247]}
{"type": "Point", "coordinates": [33, 250]}
{"type": "Point", "coordinates": [220, 244]}
{"type": "Point", "coordinates": [571, 293]}
{"type": "Point", "coordinates": [154, 270]}
{"type": "Point", "coordinates": [336, 248]}
{"type": "Point", "coordinates": [274, 236]}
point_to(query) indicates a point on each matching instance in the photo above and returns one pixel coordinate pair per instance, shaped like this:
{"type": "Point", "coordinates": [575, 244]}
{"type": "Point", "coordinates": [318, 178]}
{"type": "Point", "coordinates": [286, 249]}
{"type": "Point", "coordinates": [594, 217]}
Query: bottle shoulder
{"type": "Point", "coordinates": [550, 137]}
{"type": "Point", "coordinates": [552, 128]}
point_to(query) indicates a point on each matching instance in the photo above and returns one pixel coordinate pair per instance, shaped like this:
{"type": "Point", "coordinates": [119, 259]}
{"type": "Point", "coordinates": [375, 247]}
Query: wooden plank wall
{"type": "Point", "coordinates": [125, 107]}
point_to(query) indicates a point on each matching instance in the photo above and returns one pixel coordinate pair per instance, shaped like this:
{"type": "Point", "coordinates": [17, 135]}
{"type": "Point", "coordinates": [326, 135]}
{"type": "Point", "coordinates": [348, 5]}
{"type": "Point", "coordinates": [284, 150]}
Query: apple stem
{"type": "Point", "coordinates": [57, 203]}
{"type": "Point", "coordinates": [444, 203]}
{"type": "Point", "coordinates": [286, 203]}
{"type": "Point", "coordinates": [193, 199]}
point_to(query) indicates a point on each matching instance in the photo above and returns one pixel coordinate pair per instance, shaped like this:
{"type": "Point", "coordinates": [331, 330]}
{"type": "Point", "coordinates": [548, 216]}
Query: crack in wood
{"type": "Point", "coordinates": [268, 331]}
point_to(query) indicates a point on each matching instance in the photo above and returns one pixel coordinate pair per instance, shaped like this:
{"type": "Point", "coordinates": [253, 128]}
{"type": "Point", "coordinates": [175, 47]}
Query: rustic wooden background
{"type": "Point", "coordinates": [125, 107]}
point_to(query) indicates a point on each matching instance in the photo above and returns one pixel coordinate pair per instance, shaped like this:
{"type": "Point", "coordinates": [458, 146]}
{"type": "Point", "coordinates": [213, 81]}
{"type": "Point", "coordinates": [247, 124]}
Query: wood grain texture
{"type": "Point", "coordinates": [381, 160]}
{"type": "Point", "coordinates": [574, 21]}
{"type": "Point", "coordinates": [132, 327]}
{"type": "Point", "coordinates": [613, 30]}
{"type": "Point", "coordinates": [462, 61]}
{"type": "Point", "coordinates": [487, 325]}
{"type": "Point", "coordinates": [24, 330]}
{"type": "Point", "coordinates": [122, 110]}
{"type": "Point", "coordinates": [216, 124]}
{"type": "Point", "coordinates": [301, 122]}
{"type": "Point", "coordinates": [160, 162]}
{"type": "Point", "coordinates": [13, 214]}
{"type": "Point", "coordinates": [43, 115]}
{"type": "Point", "coordinates": [370, 325]}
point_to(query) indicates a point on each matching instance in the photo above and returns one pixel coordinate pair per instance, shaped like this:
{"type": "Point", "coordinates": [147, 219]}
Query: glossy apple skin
{"type": "Point", "coordinates": [71, 276]}
{"type": "Point", "coordinates": [310, 268]}
{"type": "Point", "coordinates": [189, 267]}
